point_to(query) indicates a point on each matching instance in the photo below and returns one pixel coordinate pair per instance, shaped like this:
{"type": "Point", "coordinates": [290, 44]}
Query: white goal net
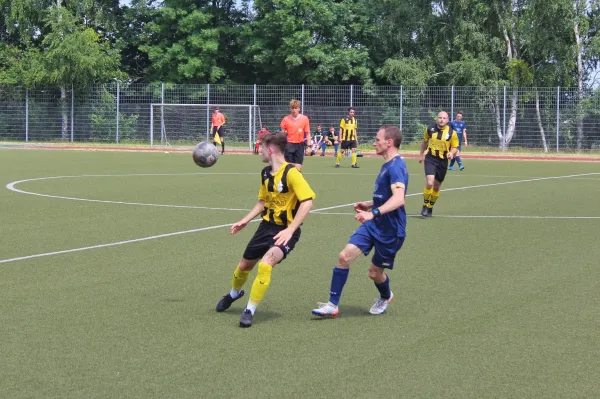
{"type": "Point", "coordinates": [187, 124]}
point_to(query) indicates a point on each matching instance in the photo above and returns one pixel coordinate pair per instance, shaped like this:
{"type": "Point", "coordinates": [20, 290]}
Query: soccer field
{"type": "Point", "coordinates": [112, 263]}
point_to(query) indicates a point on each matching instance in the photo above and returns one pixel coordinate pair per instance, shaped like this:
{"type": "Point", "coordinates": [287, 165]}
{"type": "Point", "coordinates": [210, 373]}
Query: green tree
{"type": "Point", "coordinates": [306, 41]}
{"type": "Point", "coordinates": [193, 41]}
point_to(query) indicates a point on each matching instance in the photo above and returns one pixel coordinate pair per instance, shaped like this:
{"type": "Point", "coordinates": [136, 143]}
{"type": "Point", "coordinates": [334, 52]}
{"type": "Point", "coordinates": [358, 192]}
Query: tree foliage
{"type": "Point", "coordinates": [409, 42]}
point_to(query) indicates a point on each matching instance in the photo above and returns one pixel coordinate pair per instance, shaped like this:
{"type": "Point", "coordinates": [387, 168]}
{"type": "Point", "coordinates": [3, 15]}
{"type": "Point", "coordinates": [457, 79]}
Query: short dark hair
{"type": "Point", "coordinates": [351, 109]}
{"type": "Point", "coordinates": [392, 133]}
{"type": "Point", "coordinates": [460, 112]}
{"type": "Point", "coordinates": [277, 139]}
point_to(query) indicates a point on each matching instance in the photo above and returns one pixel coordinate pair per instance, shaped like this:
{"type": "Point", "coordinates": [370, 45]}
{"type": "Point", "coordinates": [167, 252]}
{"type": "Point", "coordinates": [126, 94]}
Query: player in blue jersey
{"type": "Point", "coordinates": [461, 131]}
{"type": "Point", "coordinates": [383, 227]}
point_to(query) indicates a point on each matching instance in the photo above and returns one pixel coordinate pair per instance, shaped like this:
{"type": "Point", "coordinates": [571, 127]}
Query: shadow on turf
{"type": "Point", "coordinates": [348, 311]}
{"type": "Point", "coordinates": [261, 316]}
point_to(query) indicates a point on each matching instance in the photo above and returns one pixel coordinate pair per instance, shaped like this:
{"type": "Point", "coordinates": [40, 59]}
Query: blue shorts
{"type": "Point", "coordinates": [459, 147]}
{"type": "Point", "coordinates": [386, 248]}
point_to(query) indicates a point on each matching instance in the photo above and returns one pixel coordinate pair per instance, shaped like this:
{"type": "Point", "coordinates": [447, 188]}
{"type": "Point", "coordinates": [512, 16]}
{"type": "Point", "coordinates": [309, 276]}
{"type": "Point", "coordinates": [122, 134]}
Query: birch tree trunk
{"type": "Point", "coordinates": [539, 119]}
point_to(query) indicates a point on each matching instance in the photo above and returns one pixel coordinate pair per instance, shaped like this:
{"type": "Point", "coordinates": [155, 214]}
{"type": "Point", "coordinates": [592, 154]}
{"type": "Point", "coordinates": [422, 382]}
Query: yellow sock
{"type": "Point", "coordinates": [427, 192]}
{"type": "Point", "coordinates": [434, 196]}
{"type": "Point", "coordinates": [239, 278]}
{"type": "Point", "coordinates": [261, 283]}
{"type": "Point", "coordinates": [353, 158]}
{"type": "Point", "coordinates": [338, 159]}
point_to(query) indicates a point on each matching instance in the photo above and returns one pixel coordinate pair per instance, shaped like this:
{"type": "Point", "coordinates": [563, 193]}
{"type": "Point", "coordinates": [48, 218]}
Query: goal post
{"type": "Point", "coordinates": [187, 124]}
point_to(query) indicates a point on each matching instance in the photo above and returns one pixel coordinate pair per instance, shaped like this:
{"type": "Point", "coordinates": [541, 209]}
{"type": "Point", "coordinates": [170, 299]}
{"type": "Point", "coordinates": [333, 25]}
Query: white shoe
{"type": "Point", "coordinates": [325, 309]}
{"type": "Point", "coordinates": [381, 305]}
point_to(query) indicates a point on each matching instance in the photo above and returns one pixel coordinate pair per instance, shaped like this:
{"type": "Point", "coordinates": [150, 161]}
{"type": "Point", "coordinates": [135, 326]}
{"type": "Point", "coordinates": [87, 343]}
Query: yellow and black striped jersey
{"type": "Point", "coordinates": [283, 193]}
{"type": "Point", "coordinates": [349, 126]}
{"type": "Point", "coordinates": [440, 141]}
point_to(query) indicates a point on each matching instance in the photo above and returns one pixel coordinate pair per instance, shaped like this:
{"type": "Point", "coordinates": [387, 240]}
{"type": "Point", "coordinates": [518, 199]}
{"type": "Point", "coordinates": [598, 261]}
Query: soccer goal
{"type": "Point", "coordinates": [187, 124]}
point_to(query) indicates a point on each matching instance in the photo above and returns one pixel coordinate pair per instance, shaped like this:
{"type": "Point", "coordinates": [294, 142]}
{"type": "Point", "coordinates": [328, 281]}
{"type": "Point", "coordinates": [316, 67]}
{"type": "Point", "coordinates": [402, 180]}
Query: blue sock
{"type": "Point", "coordinates": [384, 288]}
{"type": "Point", "coordinates": [458, 161]}
{"type": "Point", "coordinates": [338, 279]}
{"type": "Point", "coordinates": [452, 162]}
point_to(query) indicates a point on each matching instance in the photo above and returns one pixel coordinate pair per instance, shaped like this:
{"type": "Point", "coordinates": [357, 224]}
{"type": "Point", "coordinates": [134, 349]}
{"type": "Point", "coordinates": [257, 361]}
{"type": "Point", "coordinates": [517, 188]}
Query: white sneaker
{"type": "Point", "coordinates": [325, 309]}
{"type": "Point", "coordinates": [381, 305]}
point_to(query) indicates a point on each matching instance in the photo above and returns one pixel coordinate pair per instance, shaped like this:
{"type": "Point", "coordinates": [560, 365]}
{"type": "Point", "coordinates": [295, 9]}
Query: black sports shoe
{"type": "Point", "coordinates": [246, 319]}
{"type": "Point", "coordinates": [429, 212]}
{"type": "Point", "coordinates": [227, 300]}
{"type": "Point", "coordinates": [355, 166]}
{"type": "Point", "coordinates": [424, 211]}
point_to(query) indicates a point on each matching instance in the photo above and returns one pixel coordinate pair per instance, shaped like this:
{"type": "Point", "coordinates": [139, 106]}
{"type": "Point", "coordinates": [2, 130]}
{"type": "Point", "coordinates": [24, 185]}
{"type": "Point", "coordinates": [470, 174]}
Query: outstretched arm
{"type": "Point", "coordinates": [254, 212]}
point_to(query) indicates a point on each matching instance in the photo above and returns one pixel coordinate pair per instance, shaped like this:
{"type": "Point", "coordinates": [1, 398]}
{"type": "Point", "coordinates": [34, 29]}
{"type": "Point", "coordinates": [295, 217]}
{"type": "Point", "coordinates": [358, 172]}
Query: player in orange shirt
{"type": "Point", "coordinates": [216, 126]}
{"type": "Point", "coordinates": [296, 126]}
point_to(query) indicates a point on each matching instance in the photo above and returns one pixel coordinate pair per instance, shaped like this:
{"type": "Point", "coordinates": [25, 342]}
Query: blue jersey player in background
{"type": "Point", "coordinates": [461, 131]}
{"type": "Point", "coordinates": [383, 226]}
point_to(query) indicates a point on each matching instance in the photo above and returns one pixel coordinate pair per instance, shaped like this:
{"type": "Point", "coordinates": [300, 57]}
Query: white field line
{"type": "Point", "coordinates": [478, 186]}
{"type": "Point", "coordinates": [255, 220]}
{"type": "Point", "coordinates": [11, 187]}
{"type": "Point", "coordinates": [477, 216]}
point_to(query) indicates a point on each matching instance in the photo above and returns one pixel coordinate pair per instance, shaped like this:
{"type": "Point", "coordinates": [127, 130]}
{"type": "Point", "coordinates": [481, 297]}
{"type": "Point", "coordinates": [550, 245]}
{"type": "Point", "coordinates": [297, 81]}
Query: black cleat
{"type": "Point", "coordinates": [246, 319]}
{"type": "Point", "coordinates": [429, 212]}
{"type": "Point", "coordinates": [424, 211]}
{"type": "Point", "coordinates": [227, 300]}
{"type": "Point", "coordinates": [355, 166]}
{"type": "Point", "coordinates": [337, 165]}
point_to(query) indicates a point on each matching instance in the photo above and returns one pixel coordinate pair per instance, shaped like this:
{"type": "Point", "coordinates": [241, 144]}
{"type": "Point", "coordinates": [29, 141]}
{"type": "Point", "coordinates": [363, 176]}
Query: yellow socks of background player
{"type": "Point", "coordinates": [338, 159]}
{"type": "Point", "coordinates": [353, 158]}
{"type": "Point", "coordinates": [427, 192]}
{"type": "Point", "coordinates": [260, 285]}
{"type": "Point", "coordinates": [434, 196]}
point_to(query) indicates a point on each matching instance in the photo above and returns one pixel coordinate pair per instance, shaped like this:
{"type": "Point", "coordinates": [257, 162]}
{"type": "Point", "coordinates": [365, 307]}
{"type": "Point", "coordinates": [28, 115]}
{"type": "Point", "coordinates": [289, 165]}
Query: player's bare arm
{"type": "Point", "coordinates": [422, 151]}
{"type": "Point", "coordinates": [363, 206]}
{"type": "Point", "coordinates": [452, 152]}
{"type": "Point", "coordinates": [465, 137]}
{"type": "Point", "coordinates": [284, 236]}
{"type": "Point", "coordinates": [254, 212]}
{"type": "Point", "coordinates": [396, 201]}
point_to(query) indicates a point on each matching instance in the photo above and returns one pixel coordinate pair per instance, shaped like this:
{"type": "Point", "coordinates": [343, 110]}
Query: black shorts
{"type": "Point", "coordinates": [436, 166]}
{"type": "Point", "coordinates": [218, 129]}
{"type": "Point", "coordinates": [262, 241]}
{"type": "Point", "coordinates": [294, 153]}
{"type": "Point", "coordinates": [348, 144]}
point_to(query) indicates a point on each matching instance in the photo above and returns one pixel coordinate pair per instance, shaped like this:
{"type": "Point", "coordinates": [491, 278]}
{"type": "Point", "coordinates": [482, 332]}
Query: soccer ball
{"type": "Point", "coordinates": [205, 154]}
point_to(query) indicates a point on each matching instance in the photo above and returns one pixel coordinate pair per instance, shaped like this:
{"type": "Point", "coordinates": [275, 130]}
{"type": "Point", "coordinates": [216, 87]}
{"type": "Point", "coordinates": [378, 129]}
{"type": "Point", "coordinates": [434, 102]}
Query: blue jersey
{"type": "Point", "coordinates": [391, 224]}
{"type": "Point", "coordinates": [458, 128]}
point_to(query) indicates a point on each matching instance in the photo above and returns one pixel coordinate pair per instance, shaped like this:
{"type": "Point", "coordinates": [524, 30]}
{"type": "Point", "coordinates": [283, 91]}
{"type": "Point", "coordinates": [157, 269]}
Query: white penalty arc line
{"type": "Point", "coordinates": [113, 244]}
{"type": "Point", "coordinates": [477, 186]}
{"type": "Point", "coordinates": [11, 187]}
{"type": "Point", "coordinates": [478, 216]}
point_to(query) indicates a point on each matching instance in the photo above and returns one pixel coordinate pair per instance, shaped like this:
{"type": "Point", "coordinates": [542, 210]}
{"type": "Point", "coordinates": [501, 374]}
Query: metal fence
{"type": "Point", "coordinates": [504, 118]}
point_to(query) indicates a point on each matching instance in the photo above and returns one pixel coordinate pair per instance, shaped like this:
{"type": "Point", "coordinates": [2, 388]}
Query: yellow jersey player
{"type": "Point", "coordinates": [441, 143]}
{"type": "Point", "coordinates": [284, 201]}
{"type": "Point", "coordinates": [348, 137]}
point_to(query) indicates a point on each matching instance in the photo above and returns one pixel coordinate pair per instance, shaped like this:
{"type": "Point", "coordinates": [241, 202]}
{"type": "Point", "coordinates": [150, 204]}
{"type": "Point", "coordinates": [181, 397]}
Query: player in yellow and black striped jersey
{"type": "Point", "coordinates": [284, 201]}
{"type": "Point", "coordinates": [440, 143]}
{"type": "Point", "coordinates": [348, 137]}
